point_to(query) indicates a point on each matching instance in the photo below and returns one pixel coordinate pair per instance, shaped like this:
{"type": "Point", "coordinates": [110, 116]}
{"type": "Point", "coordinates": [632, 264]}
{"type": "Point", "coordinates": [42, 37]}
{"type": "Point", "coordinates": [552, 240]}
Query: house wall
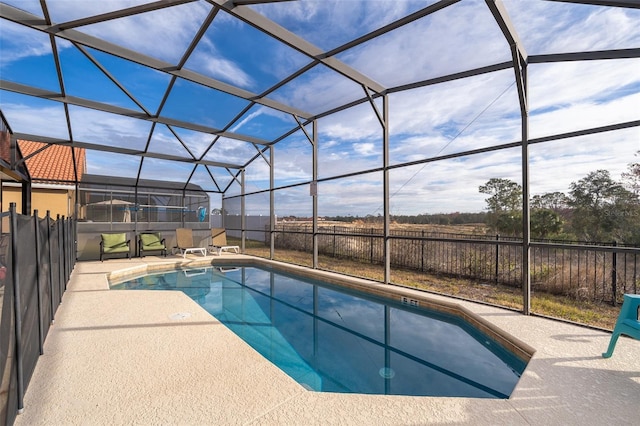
{"type": "Point", "coordinates": [57, 201]}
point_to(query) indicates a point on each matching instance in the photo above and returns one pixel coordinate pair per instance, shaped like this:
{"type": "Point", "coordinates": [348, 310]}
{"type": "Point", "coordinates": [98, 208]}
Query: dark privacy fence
{"type": "Point", "coordinates": [600, 272]}
{"type": "Point", "coordinates": [37, 256]}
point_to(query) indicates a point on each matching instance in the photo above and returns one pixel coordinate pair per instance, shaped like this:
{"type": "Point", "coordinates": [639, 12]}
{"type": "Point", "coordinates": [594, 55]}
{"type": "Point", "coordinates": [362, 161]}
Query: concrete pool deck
{"type": "Point", "coordinates": [155, 357]}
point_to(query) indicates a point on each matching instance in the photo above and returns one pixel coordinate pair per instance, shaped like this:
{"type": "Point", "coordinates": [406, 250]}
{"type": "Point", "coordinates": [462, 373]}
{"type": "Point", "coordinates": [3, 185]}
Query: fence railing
{"type": "Point", "coordinates": [37, 256]}
{"type": "Point", "coordinates": [599, 272]}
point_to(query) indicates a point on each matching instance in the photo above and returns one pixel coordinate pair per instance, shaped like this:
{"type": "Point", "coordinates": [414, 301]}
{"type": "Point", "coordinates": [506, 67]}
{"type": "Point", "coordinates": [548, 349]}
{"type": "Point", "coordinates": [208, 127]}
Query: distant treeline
{"type": "Point", "coordinates": [420, 219]}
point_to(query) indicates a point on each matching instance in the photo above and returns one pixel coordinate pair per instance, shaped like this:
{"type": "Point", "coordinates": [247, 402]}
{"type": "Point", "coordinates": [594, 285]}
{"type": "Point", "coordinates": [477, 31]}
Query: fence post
{"type": "Point", "coordinates": [63, 245]}
{"type": "Point", "coordinates": [371, 245]}
{"type": "Point", "coordinates": [334, 241]}
{"type": "Point", "coordinates": [53, 310]}
{"type": "Point", "coordinates": [69, 246]}
{"type": "Point", "coordinates": [422, 252]}
{"type": "Point", "coordinates": [38, 280]}
{"type": "Point", "coordinates": [614, 275]}
{"type": "Point", "coordinates": [17, 304]}
{"type": "Point", "coordinates": [497, 257]}
{"type": "Point", "coordinates": [60, 251]}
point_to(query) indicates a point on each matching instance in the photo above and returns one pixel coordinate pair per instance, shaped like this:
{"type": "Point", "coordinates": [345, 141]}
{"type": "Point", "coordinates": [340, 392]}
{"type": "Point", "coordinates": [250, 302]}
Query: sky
{"type": "Point", "coordinates": [437, 120]}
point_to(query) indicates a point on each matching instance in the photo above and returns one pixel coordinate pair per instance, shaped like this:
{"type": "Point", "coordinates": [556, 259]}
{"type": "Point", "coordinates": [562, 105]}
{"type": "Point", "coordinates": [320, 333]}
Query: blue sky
{"type": "Point", "coordinates": [443, 119]}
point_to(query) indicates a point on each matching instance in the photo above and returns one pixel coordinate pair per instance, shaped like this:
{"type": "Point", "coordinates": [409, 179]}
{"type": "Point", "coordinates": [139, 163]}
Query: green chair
{"type": "Point", "coordinates": [627, 324]}
{"type": "Point", "coordinates": [115, 244]}
{"type": "Point", "coordinates": [151, 241]}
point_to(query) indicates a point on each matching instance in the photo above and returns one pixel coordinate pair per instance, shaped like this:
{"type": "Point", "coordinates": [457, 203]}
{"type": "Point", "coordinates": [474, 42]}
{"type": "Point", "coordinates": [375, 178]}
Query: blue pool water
{"type": "Point", "coordinates": [332, 339]}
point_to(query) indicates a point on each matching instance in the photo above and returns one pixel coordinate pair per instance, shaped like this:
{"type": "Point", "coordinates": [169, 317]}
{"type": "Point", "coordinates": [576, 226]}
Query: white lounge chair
{"type": "Point", "coordinates": [219, 242]}
{"type": "Point", "coordinates": [184, 242]}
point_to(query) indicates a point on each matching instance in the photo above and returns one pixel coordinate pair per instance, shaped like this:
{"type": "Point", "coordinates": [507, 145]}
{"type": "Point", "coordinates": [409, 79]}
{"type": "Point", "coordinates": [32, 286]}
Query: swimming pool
{"type": "Point", "coordinates": [333, 339]}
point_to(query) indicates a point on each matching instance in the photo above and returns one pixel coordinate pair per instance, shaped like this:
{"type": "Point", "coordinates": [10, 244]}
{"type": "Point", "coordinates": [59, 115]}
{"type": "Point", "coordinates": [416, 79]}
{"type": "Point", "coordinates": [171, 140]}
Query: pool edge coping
{"type": "Point", "coordinates": [516, 346]}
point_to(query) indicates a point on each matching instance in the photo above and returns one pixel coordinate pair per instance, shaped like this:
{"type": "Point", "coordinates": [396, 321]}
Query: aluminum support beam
{"type": "Point", "coordinates": [526, 211]}
{"type": "Point", "coordinates": [632, 4]}
{"type": "Point", "coordinates": [597, 55]}
{"type": "Point", "coordinates": [122, 13]}
{"type": "Point", "coordinates": [269, 27]}
{"type": "Point", "coordinates": [314, 192]}
{"type": "Point", "coordinates": [34, 22]}
{"type": "Point", "coordinates": [112, 109]}
{"type": "Point", "coordinates": [385, 189]}
{"type": "Point", "coordinates": [272, 205]}
{"type": "Point", "coordinates": [248, 2]}
{"type": "Point", "coordinates": [119, 150]}
{"type": "Point", "coordinates": [243, 212]}
{"type": "Point", "coordinates": [393, 26]}
{"type": "Point", "coordinates": [504, 22]}
{"type": "Point", "coordinates": [520, 59]}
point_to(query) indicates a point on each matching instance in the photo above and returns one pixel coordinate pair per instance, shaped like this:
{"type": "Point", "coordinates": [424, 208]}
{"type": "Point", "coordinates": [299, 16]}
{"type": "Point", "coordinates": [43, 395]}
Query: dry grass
{"type": "Point", "coordinates": [555, 306]}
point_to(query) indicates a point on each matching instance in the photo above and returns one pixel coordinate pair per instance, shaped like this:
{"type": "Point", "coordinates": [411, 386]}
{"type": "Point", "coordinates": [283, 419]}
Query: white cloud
{"type": "Point", "coordinates": [226, 70]}
{"type": "Point", "coordinates": [354, 124]}
{"type": "Point", "coordinates": [459, 103]}
{"type": "Point", "coordinates": [70, 10]}
{"type": "Point", "coordinates": [318, 90]}
{"type": "Point", "coordinates": [330, 23]}
{"type": "Point", "coordinates": [366, 149]}
{"type": "Point", "coordinates": [19, 42]}
{"type": "Point", "coordinates": [44, 120]}
{"type": "Point", "coordinates": [31, 6]}
{"type": "Point", "coordinates": [247, 119]}
{"type": "Point", "coordinates": [173, 28]}
{"type": "Point", "coordinates": [460, 37]}
{"type": "Point", "coordinates": [101, 128]}
{"type": "Point", "coordinates": [586, 114]}
{"type": "Point", "coordinates": [357, 196]}
{"type": "Point", "coordinates": [104, 163]}
{"type": "Point", "coordinates": [207, 60]}
{"type": "Point", "coordinates": [232, 151]}
{"type": "Point", "coordinates": [565, 84]}
{"type": "Point", "coordinates": [550, 27]}
{"type": "Point", "coordinates": [164, 142]}
{"type": "Point", "coordinates": [293, 163]}
{"type": "Point", "coordinates": [260, 111]}
{"type": "Point", "coordinates": [164, 170]}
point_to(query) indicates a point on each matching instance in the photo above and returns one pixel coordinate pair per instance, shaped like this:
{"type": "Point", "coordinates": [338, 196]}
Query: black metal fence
{"type": "Point", "coordinates": [600, 272]}
{"type": "Point", "coordinates": [37, 256]}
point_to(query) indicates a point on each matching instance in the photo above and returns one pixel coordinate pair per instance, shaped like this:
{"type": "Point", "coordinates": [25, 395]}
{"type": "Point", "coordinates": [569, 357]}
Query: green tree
{"type": "Point", "coordinates": [545, 223]}
{"type": "Point", "coordinates": [602, 208]}
{"type": "Point", "coordinates": [504, 204]}
{"type": "Point", "coordinates": [507, 223]}
{"type": "Point", "coordinates": [555, 201]}
{"type": "Point", "coordinates": [505, 194]}
{"type": "Point", "coordinates": [631, 178]}
{"type": "Point", "coordinates": [548, 213]}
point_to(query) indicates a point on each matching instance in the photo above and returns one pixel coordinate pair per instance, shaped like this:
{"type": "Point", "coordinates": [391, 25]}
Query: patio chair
{"type": "Point", "coordinates": [184, 242]}
{"type": "Point", "coordinates": [627, 324]}
{"type": "Point", "coordinates": [219, 241]}
{"type": "Point", "coordinates": [114, 244]}
{"type": "Point", "coordinates": [151, 241]}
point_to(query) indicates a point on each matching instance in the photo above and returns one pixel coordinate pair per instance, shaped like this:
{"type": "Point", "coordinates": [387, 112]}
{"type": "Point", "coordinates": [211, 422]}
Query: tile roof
{"type": "Point", "coordinates": [54, 163]}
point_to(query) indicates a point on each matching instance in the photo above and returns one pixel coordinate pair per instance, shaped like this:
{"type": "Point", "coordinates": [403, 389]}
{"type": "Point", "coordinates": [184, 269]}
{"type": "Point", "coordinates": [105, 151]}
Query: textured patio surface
{"type": "Point", "coordinates": [157, 358]}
